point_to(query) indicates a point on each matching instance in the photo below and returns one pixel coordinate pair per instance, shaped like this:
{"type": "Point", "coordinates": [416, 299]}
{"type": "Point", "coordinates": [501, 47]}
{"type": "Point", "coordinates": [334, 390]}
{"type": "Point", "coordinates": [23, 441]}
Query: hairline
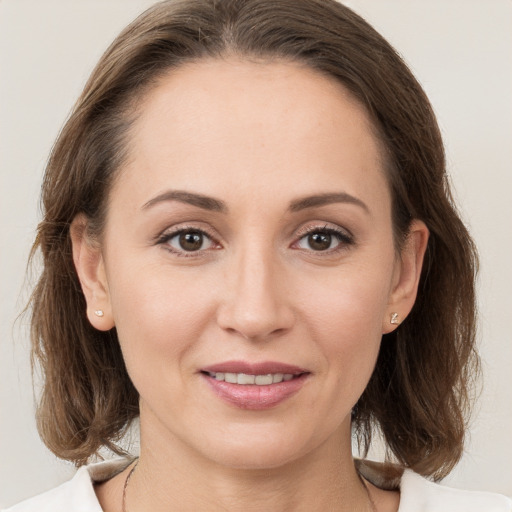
{"type": "Point", "coordinates": [133, 107]}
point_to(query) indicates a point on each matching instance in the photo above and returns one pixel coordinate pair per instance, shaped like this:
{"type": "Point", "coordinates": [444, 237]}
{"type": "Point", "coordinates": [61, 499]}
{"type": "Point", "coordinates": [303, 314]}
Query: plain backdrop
{"type": "Point", "coordinates": [461, 51]}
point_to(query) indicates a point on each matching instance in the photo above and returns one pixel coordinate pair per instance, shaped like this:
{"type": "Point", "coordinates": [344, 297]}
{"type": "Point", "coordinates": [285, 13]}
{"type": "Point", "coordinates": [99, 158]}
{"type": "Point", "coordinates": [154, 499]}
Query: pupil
{"type": "Point", "coordinates": [320, 241]}
{"type": "Point", "coordinates": [191, 241]}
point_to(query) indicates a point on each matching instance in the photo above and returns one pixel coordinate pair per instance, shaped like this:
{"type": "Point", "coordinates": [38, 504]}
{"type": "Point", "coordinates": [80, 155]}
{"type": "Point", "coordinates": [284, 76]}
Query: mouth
{"type": "Point", "coordinates": [254, 386]}
{"type": "Point", "coordinates": [245, 379]}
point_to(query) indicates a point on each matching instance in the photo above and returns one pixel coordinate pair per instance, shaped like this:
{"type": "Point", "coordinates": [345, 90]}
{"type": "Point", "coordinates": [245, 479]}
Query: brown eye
{"type": "Point", "coordinates": [188, 240]}
{"type": "Point", "coordinates": [320, 241]}
{"type": "Point", "coordinates": [191, 240]}
{"type": "Point", "coordinates": [328, 240]}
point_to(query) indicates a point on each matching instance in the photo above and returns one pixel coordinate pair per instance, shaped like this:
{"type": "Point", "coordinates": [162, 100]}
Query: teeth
{"type": "Point", "coordinates": [263, 380]}
{"type": "Point", "coordinates": [230, 377]}
{"type": "Point", "coordinates": [259, 380]}
{"type": "Point", "coordinates": [241, 378]}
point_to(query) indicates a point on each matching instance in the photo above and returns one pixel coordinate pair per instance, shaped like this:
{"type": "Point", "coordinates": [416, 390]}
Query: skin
{"type": "Point", "coordinates": [256, 136]}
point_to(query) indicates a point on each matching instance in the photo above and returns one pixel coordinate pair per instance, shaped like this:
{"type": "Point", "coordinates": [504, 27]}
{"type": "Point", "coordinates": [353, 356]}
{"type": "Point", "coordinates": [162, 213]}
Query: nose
{"type": "Point", "coordinates": [256, 304]}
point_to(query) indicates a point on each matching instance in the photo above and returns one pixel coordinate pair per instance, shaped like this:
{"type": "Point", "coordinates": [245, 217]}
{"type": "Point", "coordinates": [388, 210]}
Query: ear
{"type": "Point", "coordinates": [90, 268]}
{"type": "Point", "coordinates": [406, 276]}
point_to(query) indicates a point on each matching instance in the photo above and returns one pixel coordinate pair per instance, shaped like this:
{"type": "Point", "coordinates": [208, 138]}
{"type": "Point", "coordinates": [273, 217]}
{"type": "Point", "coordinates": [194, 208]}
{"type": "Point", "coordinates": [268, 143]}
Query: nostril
{"type": "Point", "coordinates": [256, 326]}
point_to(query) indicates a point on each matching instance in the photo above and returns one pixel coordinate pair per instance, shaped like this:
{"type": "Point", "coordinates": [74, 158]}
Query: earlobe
{"type": "Point", "coordinates": [406, 276]}
{"type": "Point", "coordinates": [90, 268]}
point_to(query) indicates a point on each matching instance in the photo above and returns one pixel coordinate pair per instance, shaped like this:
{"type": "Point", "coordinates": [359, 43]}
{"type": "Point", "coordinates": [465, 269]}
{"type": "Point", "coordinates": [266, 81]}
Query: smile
{"type": "Point", "coordinates": [258, 380]}
{"type": "Point", "coordinates": [256, 388]}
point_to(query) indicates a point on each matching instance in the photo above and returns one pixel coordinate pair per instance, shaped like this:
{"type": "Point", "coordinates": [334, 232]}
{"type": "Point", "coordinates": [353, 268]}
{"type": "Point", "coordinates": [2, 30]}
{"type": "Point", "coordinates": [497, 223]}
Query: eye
{"type": "Point", "coordinates": [188, 240]}
{"type": "Point", "coordinates": [324, 240]}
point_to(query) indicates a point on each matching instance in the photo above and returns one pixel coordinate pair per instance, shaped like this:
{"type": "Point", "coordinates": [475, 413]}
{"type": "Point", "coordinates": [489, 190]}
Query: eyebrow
{"type": "Point", "coordinates": [216, 205]}
{"type": "Point", "coordinates": [325, 199]}
{"type": "Point", "coordinates": [199, 200]}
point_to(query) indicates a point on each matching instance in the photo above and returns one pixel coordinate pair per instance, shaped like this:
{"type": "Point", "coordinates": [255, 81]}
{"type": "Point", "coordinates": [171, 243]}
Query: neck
{"type": "Point", "coordinates": [172, 476]}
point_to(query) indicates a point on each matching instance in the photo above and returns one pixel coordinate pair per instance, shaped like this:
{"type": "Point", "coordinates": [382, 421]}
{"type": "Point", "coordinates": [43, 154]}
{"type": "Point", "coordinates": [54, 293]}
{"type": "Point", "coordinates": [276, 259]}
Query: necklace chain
{"type": "Point", "coordinates": [370, 500]}
{"type": "Point", "coordinates": [123, 508]}
{"type": "Point", "coordinates": [125, 487]}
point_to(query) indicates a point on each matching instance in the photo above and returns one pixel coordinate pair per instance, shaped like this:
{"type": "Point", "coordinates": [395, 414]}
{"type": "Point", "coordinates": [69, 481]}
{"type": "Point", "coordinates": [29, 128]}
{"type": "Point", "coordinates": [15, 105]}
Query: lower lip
{"type": "Point", "coordinates": [254, 397]}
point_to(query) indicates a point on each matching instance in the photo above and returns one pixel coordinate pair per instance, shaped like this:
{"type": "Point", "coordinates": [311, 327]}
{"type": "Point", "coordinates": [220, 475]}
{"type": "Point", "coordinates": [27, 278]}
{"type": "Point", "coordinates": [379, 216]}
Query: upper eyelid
{"type": "Point", "coordinates": [173, 231]}
{"type": "Point", "coordinates": [167, 235]}
{"type": "Point", "coordinates": [170, 232]}
{"type": "Point", "coordinates": [326, 226]}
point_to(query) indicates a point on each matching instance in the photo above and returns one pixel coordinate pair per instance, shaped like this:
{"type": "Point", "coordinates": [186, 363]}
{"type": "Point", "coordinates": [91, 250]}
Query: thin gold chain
{"type": "Point", "coordinates": [123, 508]}
{"type": "Point", "coordinates": [370, 500]}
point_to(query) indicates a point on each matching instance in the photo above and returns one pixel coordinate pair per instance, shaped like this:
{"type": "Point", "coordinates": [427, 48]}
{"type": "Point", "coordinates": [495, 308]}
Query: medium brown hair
{"type": "Point", "coordinates": [417, 397]}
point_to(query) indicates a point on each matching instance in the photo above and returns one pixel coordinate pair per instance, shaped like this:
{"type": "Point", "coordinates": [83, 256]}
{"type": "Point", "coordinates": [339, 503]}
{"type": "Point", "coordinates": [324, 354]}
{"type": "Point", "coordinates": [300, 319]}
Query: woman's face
{"type": "Point", "coordinates": [250, 233]}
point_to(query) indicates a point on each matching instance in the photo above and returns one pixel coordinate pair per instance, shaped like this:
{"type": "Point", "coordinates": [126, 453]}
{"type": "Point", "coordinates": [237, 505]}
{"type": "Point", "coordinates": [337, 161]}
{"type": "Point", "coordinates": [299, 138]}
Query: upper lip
{"type": "Point", "coordinates": [261, 368]}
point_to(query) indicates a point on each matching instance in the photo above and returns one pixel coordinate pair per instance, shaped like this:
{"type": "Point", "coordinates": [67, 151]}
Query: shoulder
{"type": "Point", "coordinates": [76, 495]}
{"type": "Point", "coordinates": [419, 494]}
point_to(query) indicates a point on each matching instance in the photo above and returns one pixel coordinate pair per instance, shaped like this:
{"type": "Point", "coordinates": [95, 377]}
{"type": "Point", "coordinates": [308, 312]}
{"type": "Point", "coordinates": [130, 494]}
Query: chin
{"type": "Point", "coordinates": [255, 458]}
{"type": "Point", "coordinates": [263, 449]}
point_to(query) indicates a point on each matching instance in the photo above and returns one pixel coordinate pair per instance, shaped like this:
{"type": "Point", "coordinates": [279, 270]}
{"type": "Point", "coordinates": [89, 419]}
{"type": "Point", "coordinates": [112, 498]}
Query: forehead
{"type": "Point", "coordinates": [214, 123]}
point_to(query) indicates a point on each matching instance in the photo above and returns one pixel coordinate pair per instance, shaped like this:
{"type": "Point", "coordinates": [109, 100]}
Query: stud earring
{"type": "Point", "coordinates": [99, 312]}
{"type": "Point", "coordinates": [394, 319]}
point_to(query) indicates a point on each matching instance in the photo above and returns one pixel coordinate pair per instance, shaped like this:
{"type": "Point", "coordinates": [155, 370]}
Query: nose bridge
{"type": "Point", "coordinates": [256, 305]}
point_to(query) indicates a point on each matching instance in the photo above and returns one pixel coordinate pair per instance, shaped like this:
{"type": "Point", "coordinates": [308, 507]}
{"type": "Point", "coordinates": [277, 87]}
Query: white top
{"type": "Point", "coordinates": [416, 494]}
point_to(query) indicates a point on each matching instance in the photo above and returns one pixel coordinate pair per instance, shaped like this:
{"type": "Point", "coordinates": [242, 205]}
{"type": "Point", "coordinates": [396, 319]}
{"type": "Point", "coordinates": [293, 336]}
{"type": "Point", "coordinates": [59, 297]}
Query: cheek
{"type": "Point", "coordinates": [344, 315]}
{"type": "Point", "coordinates": [349, 300]}
{"type": "Point", "coordinates": [158, 316]}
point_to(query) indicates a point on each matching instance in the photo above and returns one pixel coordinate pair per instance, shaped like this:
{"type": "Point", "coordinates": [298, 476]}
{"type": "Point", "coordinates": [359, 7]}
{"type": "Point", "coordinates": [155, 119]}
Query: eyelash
{"type": "Point", "coordinates": [344, 238]}
{"type": "Point", "coordinates": [166, 237]}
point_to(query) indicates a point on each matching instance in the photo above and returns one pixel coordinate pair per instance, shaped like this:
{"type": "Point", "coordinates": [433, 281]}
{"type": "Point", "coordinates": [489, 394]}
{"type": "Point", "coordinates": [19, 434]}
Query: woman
{"type": "Point", "coordinates": [249, 242]}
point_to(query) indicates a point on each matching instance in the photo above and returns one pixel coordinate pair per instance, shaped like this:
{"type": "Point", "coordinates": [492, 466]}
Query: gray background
{"type": "Point", "coordinates": [461, 51]}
